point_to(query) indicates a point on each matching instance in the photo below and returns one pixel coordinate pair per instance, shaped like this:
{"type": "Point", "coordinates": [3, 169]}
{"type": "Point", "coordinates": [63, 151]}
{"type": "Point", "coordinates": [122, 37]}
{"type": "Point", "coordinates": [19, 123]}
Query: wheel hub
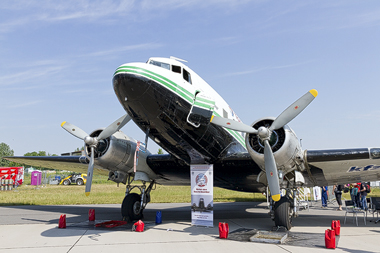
{"type": "Point", "coordinates": [136, 207]}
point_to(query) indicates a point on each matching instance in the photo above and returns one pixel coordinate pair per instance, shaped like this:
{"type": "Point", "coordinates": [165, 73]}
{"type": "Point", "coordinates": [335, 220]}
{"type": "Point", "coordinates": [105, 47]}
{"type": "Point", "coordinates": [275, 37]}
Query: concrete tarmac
{"type": "Point", "coordinates": [35, 229]}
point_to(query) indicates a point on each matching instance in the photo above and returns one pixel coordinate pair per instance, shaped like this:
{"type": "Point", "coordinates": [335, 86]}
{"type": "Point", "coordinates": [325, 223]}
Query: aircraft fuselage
{"type": "Point", "coordinates": [159, 101]}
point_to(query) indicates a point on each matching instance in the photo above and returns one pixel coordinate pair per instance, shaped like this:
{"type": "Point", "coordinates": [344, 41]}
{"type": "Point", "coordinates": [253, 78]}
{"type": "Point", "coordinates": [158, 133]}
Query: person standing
{"type": "Point", "coordinates": [353, 193]}
{"type": "Point", "coordinates": [363, 196]}
{"type": "Point", "coordinates": [337, 190]}
{"type": "Point", "coordinates": [325, 195]}
{"type": "Point", "coordinates": [358, 196]}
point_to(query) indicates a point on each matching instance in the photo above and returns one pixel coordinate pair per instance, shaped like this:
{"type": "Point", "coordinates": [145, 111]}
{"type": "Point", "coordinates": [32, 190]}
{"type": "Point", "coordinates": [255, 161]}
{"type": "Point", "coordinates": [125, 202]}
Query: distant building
{"type": "Point", "coordinates": [30, 170]}
{"type": "Point", "coordinates": [75, 153]}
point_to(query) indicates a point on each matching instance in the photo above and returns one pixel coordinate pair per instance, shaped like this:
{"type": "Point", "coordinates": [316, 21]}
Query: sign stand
{"type": "Point", "coordinates": [202, 195]}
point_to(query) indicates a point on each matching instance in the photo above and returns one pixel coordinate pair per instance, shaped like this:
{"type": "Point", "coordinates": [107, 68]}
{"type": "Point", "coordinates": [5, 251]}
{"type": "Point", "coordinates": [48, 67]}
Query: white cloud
{"type": "Point", "coordinates": [22, 105]}
{"type": "Point", "coordinates": [364, 19]}
{"type": "Point", "coordinates": [251, 71]}
{"type": "Point", "coordinates": [366, 117]}
{"type": "Point", "coordinates": [25, 77]}
{"type": "Point", "coordinates": [144, 46]}
{"type": "Point", "coordinates": [19, 13]}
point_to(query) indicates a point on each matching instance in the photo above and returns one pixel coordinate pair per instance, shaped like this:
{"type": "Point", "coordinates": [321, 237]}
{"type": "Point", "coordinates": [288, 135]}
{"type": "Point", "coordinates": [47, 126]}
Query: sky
{"type": "Point", "coordinates": [57, 59]}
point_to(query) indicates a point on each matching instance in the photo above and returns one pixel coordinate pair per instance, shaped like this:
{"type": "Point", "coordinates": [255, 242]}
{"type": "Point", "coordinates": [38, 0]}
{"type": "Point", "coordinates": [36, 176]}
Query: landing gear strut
{"type": "Point", "coordinates": [134, 204]}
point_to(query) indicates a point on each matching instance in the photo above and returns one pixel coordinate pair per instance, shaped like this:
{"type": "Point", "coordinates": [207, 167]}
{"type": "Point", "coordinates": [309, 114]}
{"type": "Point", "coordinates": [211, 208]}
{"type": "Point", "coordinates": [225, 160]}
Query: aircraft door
{"type": "Point", "coordinates": [201, 110]}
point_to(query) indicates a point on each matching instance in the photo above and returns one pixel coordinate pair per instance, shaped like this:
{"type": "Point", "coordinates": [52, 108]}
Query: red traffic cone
{"type": "Point", "coordinates": [91, 214]}
{"type": "Point", "coordinates": [62, 221]}
{"type": "Point", "coordinates": [223, 230]}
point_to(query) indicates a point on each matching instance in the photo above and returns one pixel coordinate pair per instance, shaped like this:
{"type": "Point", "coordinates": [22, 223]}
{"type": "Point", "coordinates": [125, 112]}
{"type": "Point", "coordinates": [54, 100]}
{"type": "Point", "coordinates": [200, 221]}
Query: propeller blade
{"type": "Point", "coordinates": [292, 111]}
{"type": "Point", "coordinates": [90, 172]}
{"type": "Point", "coordinates": [271, 172]}
{"type": "Point", "coordinates": [232, 124]}
{"type": "Point", "coordinates": [74, 130]}
{"type": "Point", "coordinates": [114, 127]}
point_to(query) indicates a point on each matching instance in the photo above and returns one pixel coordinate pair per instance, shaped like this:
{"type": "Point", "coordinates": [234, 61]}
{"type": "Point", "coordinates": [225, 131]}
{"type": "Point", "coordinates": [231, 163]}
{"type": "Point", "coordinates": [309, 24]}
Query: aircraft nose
{"type": "Point", "coordinates": [130, 86]}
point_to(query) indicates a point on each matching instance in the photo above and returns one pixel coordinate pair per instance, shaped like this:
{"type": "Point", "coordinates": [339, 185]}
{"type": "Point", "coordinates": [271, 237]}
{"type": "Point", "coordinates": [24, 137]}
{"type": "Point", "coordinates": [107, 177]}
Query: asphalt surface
{"type": "Point", "coordinates": [35, 229]}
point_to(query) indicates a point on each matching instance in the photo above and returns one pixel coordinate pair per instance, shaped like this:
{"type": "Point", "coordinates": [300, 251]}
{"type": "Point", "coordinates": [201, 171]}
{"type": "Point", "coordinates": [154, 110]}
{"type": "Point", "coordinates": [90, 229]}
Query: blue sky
{"type": "Point", "coordinates": [57, 62]}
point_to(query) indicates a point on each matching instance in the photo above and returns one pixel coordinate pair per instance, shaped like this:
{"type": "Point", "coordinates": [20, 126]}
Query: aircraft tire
{"type": "Point", "coordinates": [130, 208]}
{"type": "Point", "coordinates": [282, 213]}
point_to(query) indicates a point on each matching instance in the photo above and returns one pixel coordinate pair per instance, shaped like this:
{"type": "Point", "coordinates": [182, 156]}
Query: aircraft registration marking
{"type": "Point", "coordinates": [364, 168]}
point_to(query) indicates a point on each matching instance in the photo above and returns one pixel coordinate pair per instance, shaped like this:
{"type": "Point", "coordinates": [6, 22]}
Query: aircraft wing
{"type": "Point", "coordinates": [341, 166]}
{"type": "Point", "coordinates": [240, 172]}
{"type": "Point", "coordinates": [236, 172]}
{"type": "Point", "coordinates": [324, 167]}
{"type": "Point", "coordinates": [69, 163]}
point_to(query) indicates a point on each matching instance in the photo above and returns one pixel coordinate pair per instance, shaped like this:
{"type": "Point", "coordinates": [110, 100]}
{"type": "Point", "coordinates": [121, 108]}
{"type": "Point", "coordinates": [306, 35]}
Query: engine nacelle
{"type": "Point", "coordinates": [116, 154]}
{"type": "Point", "coordinates": [285, 146]}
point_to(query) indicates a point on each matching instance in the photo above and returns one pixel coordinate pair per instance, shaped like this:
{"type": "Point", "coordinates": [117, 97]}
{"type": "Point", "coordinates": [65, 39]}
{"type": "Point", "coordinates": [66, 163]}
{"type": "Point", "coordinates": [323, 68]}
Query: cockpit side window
{"type": "Point", "coordinates": [160, 64]}
{"type": "Point", "coordinates": [186, 76]}
{"type": "Point", "coordinates": [176, 69]}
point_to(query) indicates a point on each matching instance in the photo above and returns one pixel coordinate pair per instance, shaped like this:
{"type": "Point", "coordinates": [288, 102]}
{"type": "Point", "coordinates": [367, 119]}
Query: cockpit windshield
{"type": "Point", "coordinates": [160, 64]}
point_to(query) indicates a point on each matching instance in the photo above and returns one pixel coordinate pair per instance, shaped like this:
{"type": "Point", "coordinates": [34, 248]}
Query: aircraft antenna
{"type": "Point", "coordinates": [178, 59]}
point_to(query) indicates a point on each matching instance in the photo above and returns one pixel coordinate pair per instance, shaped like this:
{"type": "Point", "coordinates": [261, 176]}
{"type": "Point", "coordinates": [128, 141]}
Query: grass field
{"type": "Point", "coordinates": [107, 192]}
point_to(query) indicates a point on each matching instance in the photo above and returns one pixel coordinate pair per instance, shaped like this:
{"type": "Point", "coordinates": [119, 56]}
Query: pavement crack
{"type": "Point", "coordinates": [77, 241]}
{"type": "Point", "coordinates": [284, 248]}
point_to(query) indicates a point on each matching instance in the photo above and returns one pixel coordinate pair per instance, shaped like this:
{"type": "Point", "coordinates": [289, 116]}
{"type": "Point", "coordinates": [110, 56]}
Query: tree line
{"type": "Point", "coordinates": [5, 150]}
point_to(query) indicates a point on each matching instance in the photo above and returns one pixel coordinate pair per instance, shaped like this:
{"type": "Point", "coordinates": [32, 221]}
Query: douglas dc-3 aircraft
{"type": "Point", "coordinates": [179, 111]}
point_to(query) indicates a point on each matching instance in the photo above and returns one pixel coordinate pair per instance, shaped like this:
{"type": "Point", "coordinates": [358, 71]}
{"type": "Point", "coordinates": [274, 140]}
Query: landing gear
{"type": "Point", "coordinates": [283, 213]}
{"type": "Point", "coordinates": [131, 207]}
{"type": "Point", "coordinates": [134, 204]}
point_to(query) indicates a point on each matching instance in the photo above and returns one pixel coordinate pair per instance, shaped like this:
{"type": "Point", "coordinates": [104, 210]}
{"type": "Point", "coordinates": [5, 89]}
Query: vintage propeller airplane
{"type": "Point", "coordinates": [184, 115]}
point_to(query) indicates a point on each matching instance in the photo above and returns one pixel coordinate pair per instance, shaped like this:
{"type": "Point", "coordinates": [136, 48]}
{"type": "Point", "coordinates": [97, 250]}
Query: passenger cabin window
{"type": "Point", "coordinates": [160, 64]}
{"type": "Point", "coordinates": [186, 76]}
{"type": "Point", "coordinates": [176, 69]}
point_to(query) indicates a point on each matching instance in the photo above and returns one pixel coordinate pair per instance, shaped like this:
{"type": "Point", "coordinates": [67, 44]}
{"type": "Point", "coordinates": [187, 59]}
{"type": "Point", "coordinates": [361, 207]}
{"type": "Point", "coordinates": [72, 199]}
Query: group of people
{"type": "Point", "coordinates": [358, 192]}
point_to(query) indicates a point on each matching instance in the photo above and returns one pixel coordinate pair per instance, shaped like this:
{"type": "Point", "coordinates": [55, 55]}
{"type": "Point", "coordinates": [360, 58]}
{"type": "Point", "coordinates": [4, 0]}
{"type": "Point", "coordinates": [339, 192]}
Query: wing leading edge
{"type": "Point", "coordinates": [69, 163]}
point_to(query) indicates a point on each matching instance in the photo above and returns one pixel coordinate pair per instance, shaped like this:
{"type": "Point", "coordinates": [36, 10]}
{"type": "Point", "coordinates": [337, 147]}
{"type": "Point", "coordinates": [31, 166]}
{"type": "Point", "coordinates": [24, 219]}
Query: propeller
{"type": "Point", "coordinates": [265, 133]}
{"type": "Point", "coordinates": [94, 141]}
{"type": "Point", "coordinates": [232, 124]}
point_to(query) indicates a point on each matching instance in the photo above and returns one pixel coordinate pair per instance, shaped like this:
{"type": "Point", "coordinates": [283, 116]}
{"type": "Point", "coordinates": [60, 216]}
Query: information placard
{"type": "Point", "coordinates": [202, 195]}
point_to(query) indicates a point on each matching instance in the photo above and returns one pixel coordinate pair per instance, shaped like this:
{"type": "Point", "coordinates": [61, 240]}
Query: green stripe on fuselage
{"type": "Point", "coordinates": [234, 133]}
{"type": "Point", "coordinates": [185, 94]}
{"type": "Point", "coordinates": [203, 106]}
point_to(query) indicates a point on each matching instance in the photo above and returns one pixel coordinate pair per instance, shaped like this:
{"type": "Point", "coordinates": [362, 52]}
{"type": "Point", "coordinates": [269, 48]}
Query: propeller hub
{"type": "Point", "coordinates": [91, 141]}
{"type": "Point", "coordinates": [264, 133]}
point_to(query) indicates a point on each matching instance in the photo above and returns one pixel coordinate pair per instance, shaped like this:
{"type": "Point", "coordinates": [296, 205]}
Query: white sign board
{"type": "Point", "coordinates": [317, 193]}
{"type": "Point", "coordinates": [202, 195]}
